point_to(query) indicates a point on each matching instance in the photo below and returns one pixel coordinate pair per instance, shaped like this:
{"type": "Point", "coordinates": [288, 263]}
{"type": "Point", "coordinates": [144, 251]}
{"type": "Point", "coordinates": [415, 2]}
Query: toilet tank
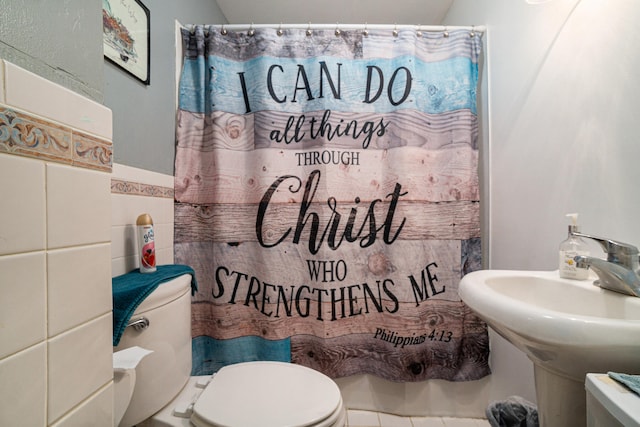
{"type": "Point", "coordinates": [161, 375]}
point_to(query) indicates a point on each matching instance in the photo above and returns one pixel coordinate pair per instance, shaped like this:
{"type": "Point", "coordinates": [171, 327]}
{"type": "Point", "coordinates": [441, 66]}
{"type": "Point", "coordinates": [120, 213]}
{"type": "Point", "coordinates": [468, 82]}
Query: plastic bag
{"type": "Point", "coordinates": [513, 412]}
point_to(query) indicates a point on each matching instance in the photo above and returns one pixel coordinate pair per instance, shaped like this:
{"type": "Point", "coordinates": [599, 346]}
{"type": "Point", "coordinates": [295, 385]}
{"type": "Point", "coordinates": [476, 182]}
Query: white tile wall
{"type": "Point", "coordinates": [129, 173]}
{"type": "Point", "coordinates": [26, 91]}
{"type": "Point", "coordinates": [22, 225]}
{"type": "Point", "coordinates": [23, 387]}
{"type": "Point", "coordinates": [78, 206]}
{"type": "Point", "coordinates": [55, 270]}
{"type": "Point", "coordinates": [80, 362]}
{"type": "Point", "coordinates": [95, 412]}
{"type": "Point", "coordinates": [76, 292]}
{"type": "Point", "coordinates": [125, 209]}
{"type": "Point", "coordinates": [23, 301]}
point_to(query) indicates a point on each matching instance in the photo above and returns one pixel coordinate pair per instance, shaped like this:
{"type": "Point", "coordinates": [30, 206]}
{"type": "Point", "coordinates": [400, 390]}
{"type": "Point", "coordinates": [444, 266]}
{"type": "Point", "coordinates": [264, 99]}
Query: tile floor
{"type": "Point", "coordinates": [357, 418]}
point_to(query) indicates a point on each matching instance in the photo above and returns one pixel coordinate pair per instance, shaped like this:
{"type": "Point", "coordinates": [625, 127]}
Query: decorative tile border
{"type": "Point", "coordinates": [119, 186]}
{"type": "Point", "coordinates": [92, 153]}
{"type": "Point", "coordinates": [25, 135]}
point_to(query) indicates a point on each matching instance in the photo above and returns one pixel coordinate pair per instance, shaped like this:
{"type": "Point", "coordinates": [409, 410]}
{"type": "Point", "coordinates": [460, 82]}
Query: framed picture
{"type": "Point", "coordinates": [125, 34]}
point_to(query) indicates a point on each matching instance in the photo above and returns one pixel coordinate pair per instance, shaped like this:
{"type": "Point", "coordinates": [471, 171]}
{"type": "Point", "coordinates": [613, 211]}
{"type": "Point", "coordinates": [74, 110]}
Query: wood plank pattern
{"type": "Point", "coordinates": [237, 222]}
{"type": "Point", "coordinates": [244, 132]}
{"type": "Point", "coordinates": [330, 83]}
{"type": "Point", "coordinates": [448, 342]}
{"type": "Point", "coordinates": [394, 129]}
{"type": "Point", "coordinates": [330, 320]}
{"type": "Point", "coordinates": [463, 359]}
{"type": "Point", "coordinates": [327, 197]}
{"type": "Point", "coordinates": [226, 176]}
{"type": "Point", "coordinates": [386, 274]}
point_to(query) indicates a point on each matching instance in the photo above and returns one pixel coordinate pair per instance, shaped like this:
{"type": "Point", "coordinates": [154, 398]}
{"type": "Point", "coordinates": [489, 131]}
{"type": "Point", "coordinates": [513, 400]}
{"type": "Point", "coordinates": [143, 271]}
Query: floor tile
{"type": "Point", "coordinates": [427, 422]}
{"type": "Point", "coordinates": [358, 418]}
{"type": "Point", "coordinates": [462, 422]}
{"type": "Point", "coordinates": [388, 420]}
{"type": "Point", "coordinates": [361, 418]}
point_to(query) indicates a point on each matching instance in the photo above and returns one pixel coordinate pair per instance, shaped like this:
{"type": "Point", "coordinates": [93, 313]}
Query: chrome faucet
{"type": "Point", "coordinates": [620, 272]}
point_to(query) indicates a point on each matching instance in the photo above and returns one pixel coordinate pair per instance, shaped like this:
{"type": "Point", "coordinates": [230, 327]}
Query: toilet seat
{"type": "Point", "coordinates": [268, 394]}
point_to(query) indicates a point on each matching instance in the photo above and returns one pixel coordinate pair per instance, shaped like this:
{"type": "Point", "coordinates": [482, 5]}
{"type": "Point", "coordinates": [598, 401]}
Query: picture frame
{"type": "Point", "coordinates": [126, 36]}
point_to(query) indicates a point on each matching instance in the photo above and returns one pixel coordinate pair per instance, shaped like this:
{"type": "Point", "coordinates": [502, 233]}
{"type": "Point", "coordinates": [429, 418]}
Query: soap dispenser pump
{"type": "Point", "coordinates": [569, 249]}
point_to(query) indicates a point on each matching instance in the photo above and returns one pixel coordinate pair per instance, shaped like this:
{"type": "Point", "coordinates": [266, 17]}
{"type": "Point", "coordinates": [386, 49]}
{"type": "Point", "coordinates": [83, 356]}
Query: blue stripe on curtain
{"type": "Point", "coordinates": [214, 354]}
{"type": "Point", "coordinates": [436, 87]}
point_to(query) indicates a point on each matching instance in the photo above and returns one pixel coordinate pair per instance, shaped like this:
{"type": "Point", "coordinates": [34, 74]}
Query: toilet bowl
{"type": "Point", "coordinates": [249, 394]}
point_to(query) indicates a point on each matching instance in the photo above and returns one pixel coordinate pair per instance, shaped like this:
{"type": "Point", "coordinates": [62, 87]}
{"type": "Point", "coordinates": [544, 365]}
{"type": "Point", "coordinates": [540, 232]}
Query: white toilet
{"type": "Point", "coordinates": [260, 394]}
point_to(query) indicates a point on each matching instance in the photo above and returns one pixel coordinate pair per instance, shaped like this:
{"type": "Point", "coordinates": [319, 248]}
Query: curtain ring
{"type": "Point", "coordinates": [445, 33]}
{"type": "Point", "coordinates": [309, 32]}
{"type": "Point", "coordinates": [223, 31]}
{"type": "Point", "coordinates": [395, 30]}
{"type": "Point", "coordinates": [280, 32]}
{"type": "Point", "coordinates": [365, 32]}
{"type": "Point", "coordinates": [419, 32]}
{"type": "Point", "coordinates": [337, 32]}
{"type": "Point", "coordinates": [251, 31]}
{"type": "Point", "coordinates": [472, 33]}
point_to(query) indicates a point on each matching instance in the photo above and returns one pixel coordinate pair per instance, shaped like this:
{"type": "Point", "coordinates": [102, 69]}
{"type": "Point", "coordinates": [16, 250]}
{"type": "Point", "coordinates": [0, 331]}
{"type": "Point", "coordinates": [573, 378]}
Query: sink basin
{"type": "Point", "coordinates": [568, 328]}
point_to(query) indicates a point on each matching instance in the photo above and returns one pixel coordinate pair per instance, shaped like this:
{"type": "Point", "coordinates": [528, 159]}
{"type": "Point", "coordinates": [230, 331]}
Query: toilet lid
{"type": "Point", "coordinates": [268, 394]}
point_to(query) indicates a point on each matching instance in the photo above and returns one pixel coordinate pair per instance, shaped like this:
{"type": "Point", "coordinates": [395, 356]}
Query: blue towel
{"type": "Point", "coordinates": [631, 381]}
{"type": "Point", "coordinates": [130, 289]}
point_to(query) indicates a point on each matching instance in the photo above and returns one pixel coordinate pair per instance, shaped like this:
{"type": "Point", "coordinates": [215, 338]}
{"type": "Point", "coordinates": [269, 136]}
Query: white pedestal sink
{"type": "Point", "coordinates": [568, 328]}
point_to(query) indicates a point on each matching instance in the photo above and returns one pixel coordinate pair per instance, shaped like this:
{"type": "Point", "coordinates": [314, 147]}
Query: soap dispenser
{"type": "Point", "coordinates": [569, 249]}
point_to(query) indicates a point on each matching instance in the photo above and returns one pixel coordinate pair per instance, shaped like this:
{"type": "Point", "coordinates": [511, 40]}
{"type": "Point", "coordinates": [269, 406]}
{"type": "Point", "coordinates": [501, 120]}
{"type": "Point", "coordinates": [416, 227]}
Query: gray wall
{"type": "Point", "coordinates": [60, 41]}
{"type": "Point", "coordinates": [144, 116]}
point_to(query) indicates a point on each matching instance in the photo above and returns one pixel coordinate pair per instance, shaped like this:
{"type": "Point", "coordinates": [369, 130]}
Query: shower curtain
{"type": "Point", "coordinates": [327, 197]}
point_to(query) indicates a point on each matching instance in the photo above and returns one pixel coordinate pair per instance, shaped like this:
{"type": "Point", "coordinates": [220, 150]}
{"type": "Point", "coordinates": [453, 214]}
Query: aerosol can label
{"type": "Point", "coordinates": [147, 249]}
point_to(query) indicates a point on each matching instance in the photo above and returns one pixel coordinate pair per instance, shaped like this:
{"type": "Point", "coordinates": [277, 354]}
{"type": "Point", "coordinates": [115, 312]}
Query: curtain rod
{"type": "Point", "coordinates": [365, 26]}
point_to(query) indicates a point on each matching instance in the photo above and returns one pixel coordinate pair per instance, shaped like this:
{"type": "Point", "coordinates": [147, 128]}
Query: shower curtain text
{"type": "Point", "coordinates": [327, 197]}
